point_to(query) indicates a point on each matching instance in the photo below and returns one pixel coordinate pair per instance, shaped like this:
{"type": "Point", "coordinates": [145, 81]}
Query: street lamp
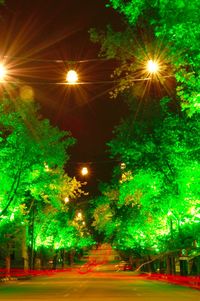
{"type": "Point", "coordinates": [2, 72]}
{"type": "Point", "coordinates": [72, 77]}
{"type": "Point", "coordinates": [66, 200]}
{"type": "Point", "coordinates": [152, 66]}
{"type": "Point", "coordinates": [84, 171]}
{"type": "Point", "coordinates": [79, 215]}
{"type": "Point", "coordinates": [122, 165]}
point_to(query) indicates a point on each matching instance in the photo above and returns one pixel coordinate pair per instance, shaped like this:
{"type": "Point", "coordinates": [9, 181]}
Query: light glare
{"type": "Point", "coordinates": [72, 77]}
{"type": "Point", "coordinates": [66, 200]}
{"type": "Point", "coordinates": [79, 215]}
{"type": "Point", "coordinates": [152, 66]}
{"type": "Point", "coordinates": [84, 171]}
{"type": "Point", "coordinates": [2, 72]}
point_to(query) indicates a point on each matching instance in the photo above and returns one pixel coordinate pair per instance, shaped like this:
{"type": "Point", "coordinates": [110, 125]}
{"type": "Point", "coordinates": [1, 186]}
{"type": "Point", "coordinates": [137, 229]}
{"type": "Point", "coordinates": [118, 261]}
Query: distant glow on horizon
{"type": "Point", "coordinates": [72, 77]}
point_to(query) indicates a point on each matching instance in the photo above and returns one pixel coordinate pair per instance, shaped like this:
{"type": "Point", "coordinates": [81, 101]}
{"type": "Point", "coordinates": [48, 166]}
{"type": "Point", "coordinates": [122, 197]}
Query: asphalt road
{"type": "Point", "coordinates": [94, 286]}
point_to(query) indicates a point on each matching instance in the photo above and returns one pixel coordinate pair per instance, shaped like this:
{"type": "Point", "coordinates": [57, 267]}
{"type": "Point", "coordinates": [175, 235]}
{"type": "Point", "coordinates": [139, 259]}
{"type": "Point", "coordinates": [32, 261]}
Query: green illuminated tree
{"type": "Point", "coordinates": [32, 156]}
{"type": "Point", "coordinates": [165, 169]}
{"type": "Point", "coordinates": [166, 31]}
{"type": "Point", "coordinates": [29, 165]}
{"type": "Point", "coordinates": [158, 192]}
{"type": "Point", "coordinates": [103, 219]}
{"type": "Point", "coordinates": [155, 209]}
{"type": "Point", "coordinates": [62, 232]}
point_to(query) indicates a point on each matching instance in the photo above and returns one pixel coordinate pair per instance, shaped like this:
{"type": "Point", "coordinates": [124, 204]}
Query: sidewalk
{"type": "Point", "coordinates": [20, 274]}
{"type": "Point", "coordinates": [188, 281]}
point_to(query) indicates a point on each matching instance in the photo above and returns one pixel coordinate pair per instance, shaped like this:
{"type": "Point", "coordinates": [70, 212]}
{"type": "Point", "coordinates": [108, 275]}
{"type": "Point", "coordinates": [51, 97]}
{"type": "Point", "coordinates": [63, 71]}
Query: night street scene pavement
{"type": "Point", "coordinates": [95, 285]}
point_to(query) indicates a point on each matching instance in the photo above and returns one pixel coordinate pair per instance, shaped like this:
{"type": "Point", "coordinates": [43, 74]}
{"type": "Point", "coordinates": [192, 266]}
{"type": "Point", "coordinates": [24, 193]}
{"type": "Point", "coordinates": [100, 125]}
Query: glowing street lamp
{"type": "Point", "coordinates": [66, 200]}
{"type": "Point", "coordinates": [122, 165]}
{"type": "Point", "coordinates": [72, 77]}
{"type": "Point", "coordinates": [2, 72]}
{"type": "Point", "coordinates": [84, 171]}
{"type": "Point", "coordinates": [152, 66]}
{"type": "Point", "coordinates": [79, 215]}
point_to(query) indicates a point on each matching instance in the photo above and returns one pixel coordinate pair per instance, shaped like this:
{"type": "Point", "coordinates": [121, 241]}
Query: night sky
{"type": "Point", "coordinates": [33, 31]}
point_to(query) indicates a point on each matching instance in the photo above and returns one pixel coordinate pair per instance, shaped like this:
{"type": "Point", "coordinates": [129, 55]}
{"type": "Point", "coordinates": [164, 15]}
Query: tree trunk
{"type": "Point", "coordinates": [161, 267]}
{"type": "Point", "coordinates": [71, 256]}
{"type": "Point", "coordinates": [32, 234]}
{"type": "Point", "coordinates": [198, 265]}
{"type": "Point", "coordinates": [8, 265]}
{"type": "Point", "coordinates": [170, 261]}
{"type": "Point", "coordinates": [55, 257]}
{"type": "Point", "coordinates": [63, 258]}
{"type": "Point", "coordinates": [149, 264]}
{"type": "Point", "coordinates": [24, 249]}
{"type": "Point", "coordinates": [183, 267]}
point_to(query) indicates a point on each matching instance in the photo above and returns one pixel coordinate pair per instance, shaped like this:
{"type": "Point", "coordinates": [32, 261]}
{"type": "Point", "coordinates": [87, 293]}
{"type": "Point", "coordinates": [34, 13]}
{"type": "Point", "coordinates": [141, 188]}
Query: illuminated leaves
{"type": "Point", "coordinates": [156, 208]}
{"type": "Point", "coordinates": [102, 217]}
{"type": "Point", "coordinates": [126, 7]}
{"type": "Point", "coordinates": [176, 25]}
{"type": "Point", "coordinates": [162, 195]}
{"type": "Point", "coordinates": [57, 230]}
{"type": "Point", "coordinates": [27, 144]}
{"type": "Point", "coordinates": [33, 182]}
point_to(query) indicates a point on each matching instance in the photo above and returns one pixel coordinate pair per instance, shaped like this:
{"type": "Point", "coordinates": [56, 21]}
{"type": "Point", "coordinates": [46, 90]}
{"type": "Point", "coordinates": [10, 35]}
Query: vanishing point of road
{"type": "Point", "coordinates": [94, 286]}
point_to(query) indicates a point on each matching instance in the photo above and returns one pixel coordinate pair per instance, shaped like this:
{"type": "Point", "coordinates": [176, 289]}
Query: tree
{"type": "Point", "coordinates": [156, 30]}
{"type": "Point", "coordinates": [32, 156]}
{"type": "Point", "coordinates": [62, 232]}
{"type": "Point", "coordinates": [156, 196]}
{"type": "Point", "coordinates": [28, 161]}
{"type": "Point", "coordinates": [164, 163]}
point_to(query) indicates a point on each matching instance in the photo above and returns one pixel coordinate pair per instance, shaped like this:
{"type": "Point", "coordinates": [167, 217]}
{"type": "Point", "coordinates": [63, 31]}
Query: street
{"type": "Point", "coordinates": [95, 285]}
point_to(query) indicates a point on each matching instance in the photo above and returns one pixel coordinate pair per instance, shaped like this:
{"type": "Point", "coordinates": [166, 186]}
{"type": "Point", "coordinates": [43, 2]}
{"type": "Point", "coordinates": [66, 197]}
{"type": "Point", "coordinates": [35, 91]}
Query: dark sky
{"type": "Point", "coordinates": [58, 30]}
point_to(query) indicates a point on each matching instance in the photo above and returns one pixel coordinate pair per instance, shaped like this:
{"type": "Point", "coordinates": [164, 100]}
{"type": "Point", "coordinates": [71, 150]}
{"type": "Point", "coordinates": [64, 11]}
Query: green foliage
{"type": "Point", "coordinates": [126, 7]}
{"type": "Point", "coordinates": [167, 31]}
{"type": "Point", "coordinates": [157, 198]}
{"type": "Point", "coordinates": [155, 206]}
{"type": "Point", "coordinates": [58, 230]}
{"type": "Point", "coordinates": [33, 182]}
{"type": "Point", "coordinates": [27, 156]}
{"type": "Point", "coordinates": [103, 217]}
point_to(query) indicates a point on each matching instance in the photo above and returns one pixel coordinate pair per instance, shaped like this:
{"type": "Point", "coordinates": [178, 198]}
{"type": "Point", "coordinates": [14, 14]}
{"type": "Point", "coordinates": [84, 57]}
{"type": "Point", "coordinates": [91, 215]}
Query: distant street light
{"type": "Point", "coordinates": [2, 72]}
{"type": "Point", "coordinates": [84, 171]}
{"type": "Point", "coordinates": [122, 165]}
{"type": "Point", "coordinates": [66, 200]}
{"type": "Point", "coordinates": [152, 66]}
{"type": "Point", "coordinates": [79, 215]}
{"type": "Point", "coordinates": [72, 77]}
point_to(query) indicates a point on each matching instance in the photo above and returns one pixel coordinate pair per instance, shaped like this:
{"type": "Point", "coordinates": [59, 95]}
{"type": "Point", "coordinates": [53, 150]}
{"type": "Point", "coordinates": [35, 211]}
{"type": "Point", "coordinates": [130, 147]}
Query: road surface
{"type": "Point", "coordinates": [94, 286]}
